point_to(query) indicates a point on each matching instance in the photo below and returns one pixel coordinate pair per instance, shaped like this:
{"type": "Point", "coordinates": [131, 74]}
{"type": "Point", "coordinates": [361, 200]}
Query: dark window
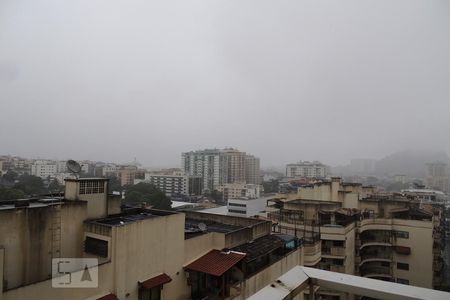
{"type": "Point", "coordinates": [402, 281]}
{"type": "Point", "coordinates": [237, 204]}
{"type": "Point", "coordinates": [236, 211]}
{"type": "Point", "coordinates": [150, 294]}
{"type": "Point", "coordinates": [338, 243]}
{"type": "Point", "coordinates": [96, 246]}
{"type": "Point", "coordinates": [401, 234]}
{"type": "Point", "coordinates": [402, 266]}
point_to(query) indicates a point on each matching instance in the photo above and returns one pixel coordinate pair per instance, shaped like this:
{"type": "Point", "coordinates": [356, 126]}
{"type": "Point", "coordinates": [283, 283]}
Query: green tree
{"type": "Point", "coordinates": [271, 186]}
{"type": "Point", "coordinates": [54, 186]}
{"type": "Point", "coordinates": [30, 185]}
{"type": "Point", "coordinates": [10, 193]}
{"type": "Point", "coordinates": [10, 176]}
{"type": "Point", "coordinates": [148, 193]}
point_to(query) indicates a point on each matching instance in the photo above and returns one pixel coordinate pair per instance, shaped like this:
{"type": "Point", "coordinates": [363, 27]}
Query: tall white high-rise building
{"type": "Point", "coordinates": [220, 166]}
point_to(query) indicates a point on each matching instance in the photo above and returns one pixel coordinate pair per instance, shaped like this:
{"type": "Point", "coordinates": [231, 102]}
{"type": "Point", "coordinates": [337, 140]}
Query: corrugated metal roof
{"type": "Point", "coordinates": [216, 262]}
{"type": "Point", "coordinates": [156, 281]}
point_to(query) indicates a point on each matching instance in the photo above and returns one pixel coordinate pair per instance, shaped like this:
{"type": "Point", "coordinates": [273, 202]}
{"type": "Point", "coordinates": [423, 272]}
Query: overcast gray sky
{"type": "Point", "coordinates": [284, 80]}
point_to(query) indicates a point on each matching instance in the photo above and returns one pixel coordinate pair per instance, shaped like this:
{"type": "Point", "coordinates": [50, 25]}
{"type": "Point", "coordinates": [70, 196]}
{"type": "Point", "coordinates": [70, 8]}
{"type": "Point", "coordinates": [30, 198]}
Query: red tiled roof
{"type": "Point", "coordinates": [108, 297]}
{"type": "Point", "coordinates": [216, 262]}
{"type": "Point", "coordinates": [156, 281]}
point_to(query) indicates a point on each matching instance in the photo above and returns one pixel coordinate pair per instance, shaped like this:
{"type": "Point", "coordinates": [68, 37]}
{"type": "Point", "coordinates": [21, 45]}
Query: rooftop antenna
{"type": "Point", "coordinates": [73, 167]}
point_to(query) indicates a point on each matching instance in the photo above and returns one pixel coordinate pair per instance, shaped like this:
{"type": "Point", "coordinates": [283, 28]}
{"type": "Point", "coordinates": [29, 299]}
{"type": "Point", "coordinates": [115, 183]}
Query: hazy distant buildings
{"type": "Point", "coordinates": [307, 169]}
{"type": "Point", "coordinates": [437, 176]}
{"type": "Point", "coordinates": [240, 190]}
{"type": "Point", "coordinates": [44, 169]}
{"type": "Point", "coordinates": [252, 170]}
{"type": "Point", "coordinates": [176, 184]}
{"type": "Point", "coordinates": [220, 166]}
{"type": "Point", "coordinates": [362, 166]}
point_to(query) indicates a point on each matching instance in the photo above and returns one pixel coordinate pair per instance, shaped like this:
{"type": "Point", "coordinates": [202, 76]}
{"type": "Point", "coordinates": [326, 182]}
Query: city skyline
{"type": "Point", "coordinates": [326, 81]}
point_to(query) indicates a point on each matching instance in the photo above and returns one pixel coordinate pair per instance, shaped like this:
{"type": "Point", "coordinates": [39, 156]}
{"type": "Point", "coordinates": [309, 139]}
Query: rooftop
{"type": "Point", "coordinates": [298, 278]}
{"type": "Point", "coordinates": [130, 216]}
{"type": "Point", "coordinates": [263, 245]}
{"type": "Point", "coordinates": [194, 227]}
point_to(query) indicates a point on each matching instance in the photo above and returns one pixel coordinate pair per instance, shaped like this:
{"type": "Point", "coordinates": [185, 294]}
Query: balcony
{"type": "Point", "coordinates": [375, 255]}
{"type": "Point", "coordinates": [376, 271]}
{"type": "Point", "coordinates": [376, 238]}
{"type": "Point", "coordinates": [338, 252]}
{"type": "Point", "coordinates": [312, 253]}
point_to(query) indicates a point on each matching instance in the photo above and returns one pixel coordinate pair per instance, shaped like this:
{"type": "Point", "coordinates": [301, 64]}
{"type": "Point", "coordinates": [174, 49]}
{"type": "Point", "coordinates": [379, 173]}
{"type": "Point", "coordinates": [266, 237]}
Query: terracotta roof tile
{"type": "Point", "coordinates": [216, 262]}
{"type": "Point", "coordinates": [108, 297]}
{"type": "Point", "coordinates": [156, 281]}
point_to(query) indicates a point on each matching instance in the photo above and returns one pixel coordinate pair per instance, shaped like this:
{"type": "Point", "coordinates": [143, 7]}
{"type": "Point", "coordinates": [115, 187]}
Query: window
{"type": "Point", "coordinates": [96, 246]}
{"type": "Point", "coordinates": [402, 266]}
{"type": "Point", "coordinates": [237, 204]}
{"type": "Point", "coordinates": [401, 234]}
{"type": "Point", "coordinates": [91, 187]}
{"type": "Point", "coordinates": [338, 243]}
{"type": "Point", "coordinates": [236, 211]}
{"type": "Point", "coordinates": [402, 281]}
{"type": "Point", "coordinates": [150, 294]}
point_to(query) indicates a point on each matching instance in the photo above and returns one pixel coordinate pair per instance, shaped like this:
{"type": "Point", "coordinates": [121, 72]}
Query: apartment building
{"type": "Point", "coordinates": [309, 169]}
{"type": "Point", "coordinates": [428, 195]}
{"type": "Point", "coordinates": [220, 166]}
{"type": "Point", "coordinates": [141, 253]}
{"type": "Point", "coordinates": [352, 229]}
{"type": "Point", "coordinates": [44, 169]}
{"type": "Point", "coordinates": [246, 207]}
{"type": "Point", "coordinates": [252, 170]}
{"type": "Point", "coordinates": [438, 176]}
{"type": "Point", "coordinates": [175, 184]}
{"type": "Point", "coordinates": [240, 190]}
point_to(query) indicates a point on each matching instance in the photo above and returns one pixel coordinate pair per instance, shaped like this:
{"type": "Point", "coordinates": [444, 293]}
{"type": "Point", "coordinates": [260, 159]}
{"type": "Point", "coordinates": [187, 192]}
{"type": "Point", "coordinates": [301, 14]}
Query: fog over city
{"type": "Point", "coordinates": [283, 80]}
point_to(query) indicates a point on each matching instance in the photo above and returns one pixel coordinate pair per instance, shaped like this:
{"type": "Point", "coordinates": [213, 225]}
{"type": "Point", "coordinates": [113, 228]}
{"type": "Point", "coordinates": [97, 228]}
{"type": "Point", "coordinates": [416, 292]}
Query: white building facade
{"type": "Point", "coordinates": [313, 169]}
{"type": "Point", "coordinates": [175, 184]}
{"type": "Point", "coordinates": [44, 169]}
{"type": "Point", "coordinates": [221, 166]}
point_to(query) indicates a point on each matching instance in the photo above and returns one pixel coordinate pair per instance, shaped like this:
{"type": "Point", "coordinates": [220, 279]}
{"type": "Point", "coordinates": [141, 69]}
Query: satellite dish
{"type": "Point", "coordinates": [202, 226]}
{"type": "Point", "coordinates": [73, 166]}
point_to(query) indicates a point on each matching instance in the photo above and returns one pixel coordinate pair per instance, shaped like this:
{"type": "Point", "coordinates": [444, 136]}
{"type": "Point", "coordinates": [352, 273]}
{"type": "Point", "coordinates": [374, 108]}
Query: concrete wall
{"type": "Point", "coordinates": [97, 203]}
{"type": "Point", "coordinates": [147, 248]}
{"type": "Point", "coordinates": [266, 276]}
{"type": "Point", "coordinates": [114, 203]}
{"type": "Point", "coordinates": [26, 236]}
{"type": "Point", "coordinates": [44, 289]}
{"type": "Point", "coordinates": [200, 245]}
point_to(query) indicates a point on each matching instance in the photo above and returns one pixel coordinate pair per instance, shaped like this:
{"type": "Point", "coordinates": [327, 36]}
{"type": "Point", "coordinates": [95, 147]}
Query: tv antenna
{"type": "Point", "coordinates": [73, 167]}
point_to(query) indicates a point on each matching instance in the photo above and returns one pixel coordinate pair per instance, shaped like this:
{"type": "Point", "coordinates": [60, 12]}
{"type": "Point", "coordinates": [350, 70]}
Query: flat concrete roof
{"type": "Point", "coordinates": [299, 278]}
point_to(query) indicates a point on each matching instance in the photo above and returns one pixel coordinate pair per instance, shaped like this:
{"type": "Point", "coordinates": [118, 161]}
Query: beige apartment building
{"type": "Point", "coordinates": [352, 229]}
{"type": "Point", "coordinates": [142, 253]}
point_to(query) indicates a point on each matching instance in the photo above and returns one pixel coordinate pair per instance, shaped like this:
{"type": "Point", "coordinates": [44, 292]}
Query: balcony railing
{"type": "Point", "coordinates": [375, 256]}
{"type": "Point", "coordinates": [334, 251]}
{"type": "Point", "coordinates": [373, 271]}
